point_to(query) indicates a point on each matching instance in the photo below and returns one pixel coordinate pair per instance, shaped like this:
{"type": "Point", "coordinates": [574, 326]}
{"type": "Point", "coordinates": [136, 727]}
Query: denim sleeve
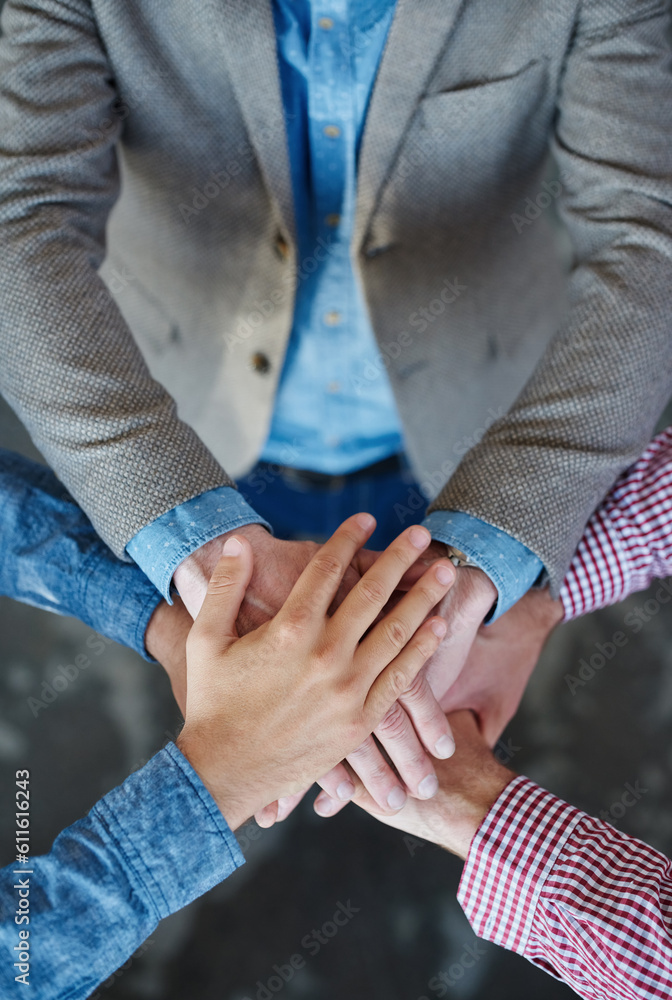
{"type": "Point", "coordinates": [145, 850]}
{"type": "Point", "coordinates": [161, 546]}
{"type": "Point", "coordinates": [510, 565]}
{"type": "Point", "coordinates": [53, 558]}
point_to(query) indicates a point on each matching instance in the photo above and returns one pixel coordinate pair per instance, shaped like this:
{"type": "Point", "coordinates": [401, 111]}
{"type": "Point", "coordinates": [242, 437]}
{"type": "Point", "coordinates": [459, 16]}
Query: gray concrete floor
{"type": "Point", "coordinates": [408, 927]}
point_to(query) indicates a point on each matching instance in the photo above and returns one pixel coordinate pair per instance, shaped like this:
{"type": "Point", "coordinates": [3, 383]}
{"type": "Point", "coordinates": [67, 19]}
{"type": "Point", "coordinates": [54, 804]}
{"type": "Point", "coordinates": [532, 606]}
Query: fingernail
{"type": "Point", "coordinates": [420, 537]}
{"type": "Point", "coordinates": [345, 790]}
{"type": "Point", "coordinates": [444, 574]}
{"type": "Point", "coordinates": [324, 806]}
{"type": "Point", "coordinates": [428, 786]}
{"type": "Point", "coordinates": [439, 628]}
{"type": "Point", "coordinates": [444, 747]}
{"type": "Point", "coordinates": [232, 547]}
{"type": "Point", "coordinates": [396, 798]}
{"type": "Point", "coordinates": [365, 521]}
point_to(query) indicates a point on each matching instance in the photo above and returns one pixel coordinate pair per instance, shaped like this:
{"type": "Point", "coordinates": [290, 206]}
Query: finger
{"type": "Point", "coordinates": [317, 586]}
{"type": "Point", "coordinates": [370, 595]}
{"type": "Point", "coordinates": [267, 816]}
{"type": "Point", "coordinates": [428, 718]}
{"type": "Point", "coordinates": [377, 776]}
{"type": "Point", "coordinates": [326, 806]}
{"type": "Point", "coordinates": [402, 745]}
{"type": "Point", "coordinates": [391, 634]}
{"type": "Point", "coordinates": [226, 589]}
{"type": "Point", "coordinates": [365, 559]}
{"type": "Point", "coordinates": [338, 784]}
{"type": "Point", "coordinates": [463, 609]}
{"type": "Point", "coordinates": [398, 676]}
{"type": "Point", "coordinates": [287, 804]}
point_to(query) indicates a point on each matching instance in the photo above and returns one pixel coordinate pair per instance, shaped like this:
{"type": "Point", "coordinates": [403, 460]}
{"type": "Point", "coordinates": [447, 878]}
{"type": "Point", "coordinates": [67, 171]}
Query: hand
{"type": "Point", "coordinates": [469, 785]}
{"type": "Point", "coordinates": [277, 567]}
{"type": "Point", "coordinates": [501, 661]}
{"type": "Point", "coordinates": [166, 640]}
{"type": "Point", "coordinates": [267, 713]}
{"type": "Point", "coordinates": [485, 668]}
{"type": "Point", "coordinates": [463, 609]}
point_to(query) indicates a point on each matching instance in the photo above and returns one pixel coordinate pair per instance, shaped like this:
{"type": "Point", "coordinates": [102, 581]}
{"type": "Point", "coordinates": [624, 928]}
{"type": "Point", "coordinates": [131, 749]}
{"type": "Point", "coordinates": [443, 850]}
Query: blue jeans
{"type": "Point", "coordinates": [301, 507]}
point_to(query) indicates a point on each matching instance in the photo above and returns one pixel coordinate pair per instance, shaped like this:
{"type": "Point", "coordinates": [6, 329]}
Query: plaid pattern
{"type": "Point", "coordinates": [628, 541]}
{"type": "Point", "coordinates": [582, 901]}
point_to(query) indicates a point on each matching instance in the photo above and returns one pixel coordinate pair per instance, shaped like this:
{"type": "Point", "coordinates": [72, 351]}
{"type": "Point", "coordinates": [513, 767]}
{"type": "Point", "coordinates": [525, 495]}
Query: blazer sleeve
{"type": "Point", "coordinates": [70, 366]}
{"type": "Point", "coordinates": [591, 405]}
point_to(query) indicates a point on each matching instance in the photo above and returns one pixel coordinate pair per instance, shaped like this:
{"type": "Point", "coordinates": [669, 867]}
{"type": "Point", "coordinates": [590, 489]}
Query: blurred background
{"type": "Point", "coordinates": [406, 926]}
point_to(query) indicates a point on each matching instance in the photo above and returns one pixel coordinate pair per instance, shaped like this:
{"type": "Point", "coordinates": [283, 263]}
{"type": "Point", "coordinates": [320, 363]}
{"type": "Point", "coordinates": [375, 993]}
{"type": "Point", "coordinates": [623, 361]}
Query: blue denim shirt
{"type": "Point", "coordinates": [328, 416]}
{"type": "Point", "coordinates": [53, 558]}
{"type": "Point", "coordinates": [146, 849]}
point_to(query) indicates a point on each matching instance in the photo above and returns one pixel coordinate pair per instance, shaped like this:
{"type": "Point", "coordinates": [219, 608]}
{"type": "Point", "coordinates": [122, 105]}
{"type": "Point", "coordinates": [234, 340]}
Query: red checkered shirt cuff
{"type": "Point", "coordinates": [510, 858]}
{"type": "Point", "coordinates": [628, 541]}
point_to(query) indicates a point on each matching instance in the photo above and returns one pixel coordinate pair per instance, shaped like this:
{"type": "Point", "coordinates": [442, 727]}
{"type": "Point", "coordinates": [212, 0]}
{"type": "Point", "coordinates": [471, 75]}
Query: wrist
{"type": "Point", "coordinates": [166, 639]}
{"type": "Point", "coordinates": [193, 574]}
{"type": "Point", "coordinates": [463, 813]}
{"type": "Point", "coordinates": [233, 798]}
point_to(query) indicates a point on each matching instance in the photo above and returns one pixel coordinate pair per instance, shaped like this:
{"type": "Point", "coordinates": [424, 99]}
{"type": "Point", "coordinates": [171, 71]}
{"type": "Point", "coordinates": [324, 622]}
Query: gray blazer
{"type": "Point", "coordinates": [148, 259]}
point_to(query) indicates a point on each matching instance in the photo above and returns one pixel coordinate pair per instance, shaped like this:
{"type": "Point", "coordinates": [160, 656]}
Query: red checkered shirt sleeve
{"type": "Point", "coordinates": [582, 901]}
{"type": "Point", "coordinates": [628, 540]}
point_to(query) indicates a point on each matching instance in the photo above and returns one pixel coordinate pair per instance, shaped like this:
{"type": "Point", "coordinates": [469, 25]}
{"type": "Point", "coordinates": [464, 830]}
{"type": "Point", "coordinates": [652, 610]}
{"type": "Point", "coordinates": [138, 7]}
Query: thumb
{"type": "Point", "coordinates": [226, 590]}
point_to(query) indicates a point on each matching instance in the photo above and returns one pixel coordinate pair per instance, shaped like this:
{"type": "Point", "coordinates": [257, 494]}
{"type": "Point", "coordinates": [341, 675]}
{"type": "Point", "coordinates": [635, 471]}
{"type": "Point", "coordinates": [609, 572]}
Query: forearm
{"type": "Point", "coordinates": [591, 405]}
{"type": "Point", "coordinates": [572, 894]}
{"type": "Point", "coordinates": [52, 557]}
{"type": "Point", "coordinates": [71, 368]}
{"type": "Point", "coordinates": [147, 849]}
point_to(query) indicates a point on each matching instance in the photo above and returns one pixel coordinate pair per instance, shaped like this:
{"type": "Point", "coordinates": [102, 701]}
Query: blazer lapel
{"type": "Point", "coordinates": [247, 35]}
{"type": "Point", "coordinates": [418, 34]}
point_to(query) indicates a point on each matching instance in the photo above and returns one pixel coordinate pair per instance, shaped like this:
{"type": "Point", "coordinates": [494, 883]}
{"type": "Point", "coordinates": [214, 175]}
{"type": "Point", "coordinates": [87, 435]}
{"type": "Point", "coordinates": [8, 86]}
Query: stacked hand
{"type": "Point", "coordinates": [481, 668]}
{"type": "Point", "coordinates": [414, 730]}
{"type": "Point", "coordinates": [469, 785]}
{"type": "Point", "coordinates": [268, 712]}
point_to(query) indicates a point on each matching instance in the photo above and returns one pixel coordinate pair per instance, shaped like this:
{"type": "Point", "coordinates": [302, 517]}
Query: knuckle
{"type": "Point", "coordinates": [329, 566]}
{"type": "Point", "coordinates": [346, 688]}
{"type": "Point", "coordinates": [220, 583]}
{"type": "Point", "coordinates": [398, 681]}
{"type": "Point", "coordinates": [417, 690]}
{"type": "Point", "coordinates": [396, 633]}
{"type": "Point", "coordinates": [352, 536]}
{"type": "Point", "coordinates": [372, 592]}
{"type": "Point", "coordinates": [291, 628]}
{"type": "Point", "coordinates": [394, 726]}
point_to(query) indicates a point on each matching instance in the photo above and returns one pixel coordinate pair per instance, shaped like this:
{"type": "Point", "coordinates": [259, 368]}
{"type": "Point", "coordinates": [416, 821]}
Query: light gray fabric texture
{"type": "Point", "coordinates": [148, 252]}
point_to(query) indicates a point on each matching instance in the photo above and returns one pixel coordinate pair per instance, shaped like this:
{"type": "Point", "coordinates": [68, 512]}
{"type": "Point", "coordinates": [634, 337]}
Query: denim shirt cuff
{"type": "Point", "coordinates": [160, 547]}
{"type": "Point", "coordinates": [510, 565]}
{"type": "Point", "coordinates": [170, 831]}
